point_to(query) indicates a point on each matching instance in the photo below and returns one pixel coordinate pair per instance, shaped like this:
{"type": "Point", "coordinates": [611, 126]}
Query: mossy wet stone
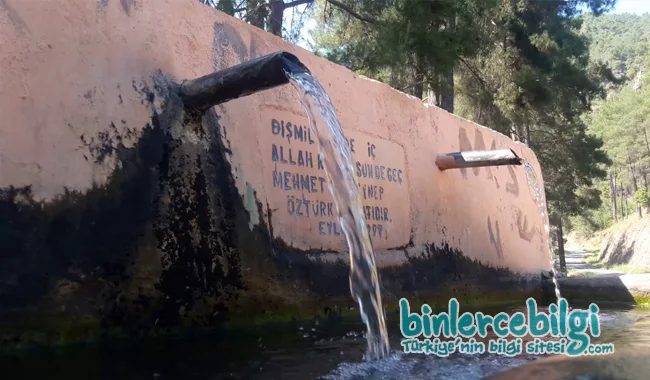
{"type": "Point", "coordinates": [65, 258]}
{"type": "Point", "coordinates": [642, 300]}
{"type": "Point", "coordinates": [79, 257]}
{"type": "Point", "coordinates": [432, 277]}
{"type": "Point", "coordinates": [42, 330]}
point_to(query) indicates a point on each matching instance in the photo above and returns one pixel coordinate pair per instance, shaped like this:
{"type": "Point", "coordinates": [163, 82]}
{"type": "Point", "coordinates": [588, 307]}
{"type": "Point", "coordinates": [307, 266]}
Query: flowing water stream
{"type": "Point", "coordinates": [343, 184]}
{"type": "Point", "coordinates": [540, 198]}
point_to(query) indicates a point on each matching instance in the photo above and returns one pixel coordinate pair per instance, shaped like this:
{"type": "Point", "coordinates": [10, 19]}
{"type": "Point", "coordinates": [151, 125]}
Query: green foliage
{"type": "Point", "coordinates": [406, 43]}
{"type": "Point", "coordinates": [594, 218]}
{"type": "Point", "coordinates": [622, 120]}
{"type": "Point", "coordinates": [227, 6]}
{"type": "Point", "coordinates": [620, 40]}
{"type": "Point", "coordinates": [642, 196]}
{"type": "Point", "coordinates": [437, 33]}
{"type": "Point", "coordinates": [534, 80]}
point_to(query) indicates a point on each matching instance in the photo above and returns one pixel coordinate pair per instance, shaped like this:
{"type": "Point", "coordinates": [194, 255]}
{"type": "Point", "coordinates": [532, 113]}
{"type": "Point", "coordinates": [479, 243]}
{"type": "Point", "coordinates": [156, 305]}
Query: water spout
{"type": "Point", "coordinates": [474, 159]}
{"type": "Point", "coordinates": [479, 158]}
{"type": "Point", "coordinates": [280, 68]}
{"type": "Point", "coordinates": [241, 80]}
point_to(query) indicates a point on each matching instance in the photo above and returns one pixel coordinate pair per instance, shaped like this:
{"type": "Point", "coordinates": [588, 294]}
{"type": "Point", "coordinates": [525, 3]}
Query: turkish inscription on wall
{"type": "Point", "coordinates": [303, 210]}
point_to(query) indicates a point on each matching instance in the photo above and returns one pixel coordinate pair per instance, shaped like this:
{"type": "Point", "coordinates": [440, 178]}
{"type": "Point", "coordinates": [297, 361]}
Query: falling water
{"type": "Point", "coordinates": [342, 183]}
{"type": "Point", "coordinates": [540, 197]}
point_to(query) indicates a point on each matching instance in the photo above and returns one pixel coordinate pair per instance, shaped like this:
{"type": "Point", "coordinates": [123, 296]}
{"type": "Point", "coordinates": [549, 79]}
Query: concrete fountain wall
{"type": "Point", "coordinates": [121, 214]}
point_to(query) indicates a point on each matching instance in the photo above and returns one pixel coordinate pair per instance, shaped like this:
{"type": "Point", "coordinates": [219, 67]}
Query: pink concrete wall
{"type": "Point", "coordinates": [73, 69]}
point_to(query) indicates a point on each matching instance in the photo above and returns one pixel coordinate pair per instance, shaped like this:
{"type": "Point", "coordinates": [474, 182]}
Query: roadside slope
{"type": "Point", "coordinates": [627, 243]}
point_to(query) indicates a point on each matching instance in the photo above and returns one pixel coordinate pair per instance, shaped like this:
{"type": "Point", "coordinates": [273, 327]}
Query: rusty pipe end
{"type": "Point", "coordinates": [478, 158]}
{"type": "Point", "coordinates": [445, 161]}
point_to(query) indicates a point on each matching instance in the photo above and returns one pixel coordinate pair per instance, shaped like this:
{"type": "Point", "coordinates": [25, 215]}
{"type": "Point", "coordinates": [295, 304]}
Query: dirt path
{"type": "Point", "coordinates": [574, 263]}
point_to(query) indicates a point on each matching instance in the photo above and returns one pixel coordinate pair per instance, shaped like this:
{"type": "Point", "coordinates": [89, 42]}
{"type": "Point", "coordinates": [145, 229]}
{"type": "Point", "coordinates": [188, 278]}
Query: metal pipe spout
{"type": "Point", "coordinates": [241, 80]}
{"type": "Point", "coordinates": [474, 159]}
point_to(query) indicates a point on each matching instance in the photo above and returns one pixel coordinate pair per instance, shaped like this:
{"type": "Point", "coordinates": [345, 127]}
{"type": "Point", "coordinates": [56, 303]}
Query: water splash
{"type": "Point", "coordinates": [343, 184]}
{"type": "Point", "coordinates": [540, 198]}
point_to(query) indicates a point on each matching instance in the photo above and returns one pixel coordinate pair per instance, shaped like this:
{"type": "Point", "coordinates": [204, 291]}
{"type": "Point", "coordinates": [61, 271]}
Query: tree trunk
{"type": "Point", "coordinates": [627, 206]}
{"type": "Point", "coordinates": [645, 184]}
{"type": "Point", "coordinates": [277, 13]}
{"type": "Point", "coordinates": [429, 95]}
{"type": "Point", "coordinates": [519, 133]}
{"type": "Point", "coordinates": [276, 16]}
{"type": "Point", "coordinates": [447, 77]}
{"type": "Point", "coordinates": [560, 245]}
{"type": "Point", "coordinates": [447, 98]}
{"type": "Point", "coordinates": [623, 211]}
{"type": "Point", "coordinates": [612, 194]}
{"type": "Point", "coordinates": [647, 145]}
{"type": "Point", "coordinates": [420, 73]}
{"type": "Point", "coordinates": [634, 183]}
